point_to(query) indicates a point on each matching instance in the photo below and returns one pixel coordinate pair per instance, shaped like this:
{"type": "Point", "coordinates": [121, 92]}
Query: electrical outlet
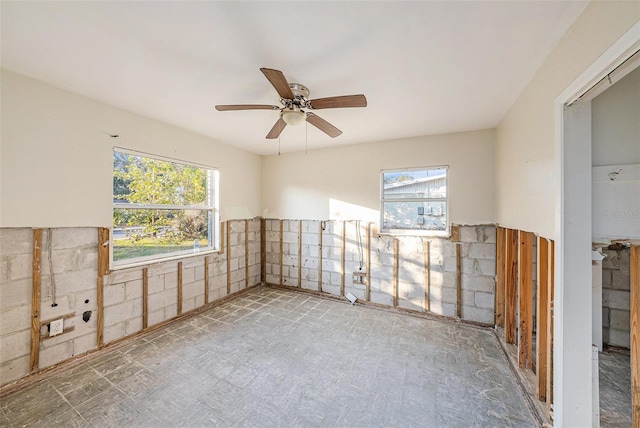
{"type": "Point", "coordinates": [56, 327]}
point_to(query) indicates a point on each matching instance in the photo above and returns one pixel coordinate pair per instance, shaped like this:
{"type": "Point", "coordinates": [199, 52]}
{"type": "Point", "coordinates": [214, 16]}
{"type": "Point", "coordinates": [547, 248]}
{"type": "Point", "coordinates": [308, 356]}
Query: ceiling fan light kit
{"type": "Point", "coordinates": [296, 106]}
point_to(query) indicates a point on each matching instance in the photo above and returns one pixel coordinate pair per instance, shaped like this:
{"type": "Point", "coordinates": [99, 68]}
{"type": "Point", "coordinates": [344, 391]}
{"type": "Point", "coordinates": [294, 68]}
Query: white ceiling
{"type": "Point", "coordinates": [425, 67]}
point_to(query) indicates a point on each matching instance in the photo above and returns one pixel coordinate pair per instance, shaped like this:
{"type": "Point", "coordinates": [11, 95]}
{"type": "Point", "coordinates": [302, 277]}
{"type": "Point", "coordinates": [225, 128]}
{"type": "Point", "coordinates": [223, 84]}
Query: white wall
{"type": "Point", "coordinates": [615, 123]}
{"type": "Point", "coordinates": [344, 182]}
{"type": "Point", "coordinates": [56, 162]}
{"type": "Point", "coordinates": [525, 138]}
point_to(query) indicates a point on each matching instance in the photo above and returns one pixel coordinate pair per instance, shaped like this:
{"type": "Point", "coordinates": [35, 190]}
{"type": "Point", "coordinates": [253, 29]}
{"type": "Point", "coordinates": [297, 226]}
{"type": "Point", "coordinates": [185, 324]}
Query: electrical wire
{"type": "Point", "coordinates": [360, 251]}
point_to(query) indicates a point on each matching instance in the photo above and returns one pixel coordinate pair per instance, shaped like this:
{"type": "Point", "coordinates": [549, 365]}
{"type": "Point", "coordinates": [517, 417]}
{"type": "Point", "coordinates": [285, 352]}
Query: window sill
{"type": "Point", "coordinates": [146, 263]}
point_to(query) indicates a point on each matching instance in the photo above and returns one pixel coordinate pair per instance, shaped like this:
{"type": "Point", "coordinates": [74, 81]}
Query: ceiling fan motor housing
{"type": "Point", "coordinates": [300, 95]}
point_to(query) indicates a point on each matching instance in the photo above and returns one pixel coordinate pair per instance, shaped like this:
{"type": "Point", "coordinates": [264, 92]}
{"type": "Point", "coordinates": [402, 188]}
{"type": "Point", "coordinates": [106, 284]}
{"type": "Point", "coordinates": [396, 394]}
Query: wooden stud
{"type": "Point", "coordinates": [145, 298]}
{"type": "Point", "coordinates": [299, 253]}
{"type": "Point", "coordinates": [500, 277]}
{"type": "Point", "coordinates": [320, 256]}
{"type": "Point", "coordinates": [36, 280]}
{"type": "Point", "coordinates": [281, 251]}
{"type": "Point", "coordinates": [458, 280]}
{"type": "Point", "coordinates": [179, 288]}
{"type": "Point", "coordinates": [635, 334]}
{"type": "Point", "coordinates": [426, 249]}
{"type": "Point", "coordinates": [222, 238]}
{"type": "Point", "coordinates": [206, 279]}
{"type": "Point", "coordinates": [395, 272]}
{"type": "Point", "coordinates": [455, 233]}
{"type": "Point", "coordinates": [525, 299]}
{"type": "Point", "coordinates": [246, 253]}
{"type": "Point", "coordinates": [263, 250]}
{"type": "Point", "coordinates": [510, 278]}
{"type": "Point", "coordinates": [103, 251]}
{"type": "Point", "coordinates": [100, 311]}
{"type": "Point", "coordinates": [228, 258]}
{"type": "Point", "coordinates": [542, 276]}
{"type": "Point", "coordinates": [368, 272]}
{"type": "Point", "coordinates": [550, 295]}
{"type": "Point", "coordinates": [342, 256]}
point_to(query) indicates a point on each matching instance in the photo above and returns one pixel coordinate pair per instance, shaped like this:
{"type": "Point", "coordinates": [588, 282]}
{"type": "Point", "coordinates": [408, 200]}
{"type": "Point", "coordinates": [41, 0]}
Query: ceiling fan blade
{"type": "Point", "coordinates": [277, 129]}
{"type": "Point", "coordinates": [323, 125]}
{"type": "Point", "coordinates": [339, 102]}
{"type": "Point", "coordinates": [279, 82]}
{"type": "Point", "coordinates": [229, 107]}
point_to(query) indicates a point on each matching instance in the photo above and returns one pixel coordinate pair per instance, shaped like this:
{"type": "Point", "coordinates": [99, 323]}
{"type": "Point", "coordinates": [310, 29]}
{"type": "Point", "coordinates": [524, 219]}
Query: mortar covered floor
{"type": "Point", "coordinates": [275, 357]}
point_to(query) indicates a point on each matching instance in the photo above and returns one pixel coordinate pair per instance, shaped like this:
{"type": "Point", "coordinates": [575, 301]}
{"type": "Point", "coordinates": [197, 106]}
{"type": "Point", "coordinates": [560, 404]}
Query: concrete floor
{"type": "Point", "coordinates": [615, 389]}
{"type": "Point", "coordinates": [280, 358]}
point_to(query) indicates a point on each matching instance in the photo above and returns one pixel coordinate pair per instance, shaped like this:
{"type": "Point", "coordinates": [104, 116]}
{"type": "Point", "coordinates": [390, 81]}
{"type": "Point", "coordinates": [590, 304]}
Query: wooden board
{"type": "Point", "coordinates": [525, 299]}
{"type": "Point", "coordinates": [145, 298]}
{"type": "Point", "coordinates": [500, 277]}
{"type": "Point", "coordinates": [635, 335]}
{"type": "Point", "coordinates": [510, 278]}
{"type": "Point", "coordinates": [206, 280]}
{"type": "Point", "coordinates": [319, 256]}
{"type": "Point", "coordinates": [228, 227]}
{"type": "Point", "coordinates": [179, 288]}
{"type": "Point", "coordinates": [426, 249]}
{"type": "Point", "coordinates": [246, 253]}
{"type": "Point", "coordinates": [550, 294]}
{"type": "Point", "coordinates": [343, 243]}
{"type": "Point", "coordinates": [103, 251]}
{"type": "Point", "coordinates": [281, 248]}
{"type": "Point", "coordinates": [458, 281]}
{"type": "Point", "coordinates": [395, 272]}
{"type": "Point", "coordinates": [36, 280]}
{"type": "Point", "coordinates": [263, 250]}
{"type": "Point", "coordinates": [455, 233]}
{"type": "Point", "coordinates": [223, 243]}
{"type": "Point", "coordinates": [367, 291]}
{"type": "Point", "coordinates": [100, 311]}
{"type": "Point", "coordinates": [542, 296]}
{"type": "Point", "coordinates": [299, 253]}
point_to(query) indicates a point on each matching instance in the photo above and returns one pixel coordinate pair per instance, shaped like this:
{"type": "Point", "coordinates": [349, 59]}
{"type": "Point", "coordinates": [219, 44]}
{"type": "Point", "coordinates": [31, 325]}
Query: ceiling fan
{"type": "Point", "coordinates": [296, 106]}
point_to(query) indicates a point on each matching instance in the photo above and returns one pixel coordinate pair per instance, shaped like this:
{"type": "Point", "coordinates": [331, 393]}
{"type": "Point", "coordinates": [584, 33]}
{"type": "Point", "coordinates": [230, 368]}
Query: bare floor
{"type": "Point", "coordinates": [280, 358]}
{"type": "Point", "coordinates": [615, 389]}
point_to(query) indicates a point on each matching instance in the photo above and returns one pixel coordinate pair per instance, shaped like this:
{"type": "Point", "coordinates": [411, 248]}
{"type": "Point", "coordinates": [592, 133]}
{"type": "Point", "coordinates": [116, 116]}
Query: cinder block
{"type": "Point", "coordinates": [619, 320]}
{"type": "Point", "coordinates": [20, 266]}
{"type": "Point", "coordinates": [484, 300]}
{"type": "Point", "coordinates": [64, 306]}
{"type": "Point", "coordinates": [615, 299]}
{"type": "Point", "coordinates": [15, 241]}
{"type": "Point", "coordinates": [57, 353]}
{"type": "Point", "coordinates": [605, 317]}
{"type": "Point", "coordinates": [485, 284]}
{"type": "Point", "coordinates": [114, 294]}
{"type": "Point", "coordinates": [15, 293]}
{"type": "Point", "coordinates": [612, 259]}
{"type": "Point", "coordinates": [156, 316]}
{"type": "Point", "coordinates": [477, 314]}
{"type": "Point", "coordinates": [381, 298]}
{"type": "Point", "coordinates": [606, 278]}
{"type": "Point", "coordinates": [15, 319]}
{"type": "Point", "coordinates": [74, 237]}
{"type": "Point", "coordinates": [482, 251]}
{"type": "Point", "coordinates": [621, 280]}
{"type": "Point", "coordinates": [84, 343]}
{"type": "Point", "coordinates": [114, 332]}
{"type": "Point", "coordinates": [486, 267]}
{"type": "Point", "coordinates": [619, 338]}
{"type": "Point", "coordinates": [14, 369]}
{"type": "Point", "coordinates": [15, 345]}
{"type": "Point", "coordinates": [469, 234]}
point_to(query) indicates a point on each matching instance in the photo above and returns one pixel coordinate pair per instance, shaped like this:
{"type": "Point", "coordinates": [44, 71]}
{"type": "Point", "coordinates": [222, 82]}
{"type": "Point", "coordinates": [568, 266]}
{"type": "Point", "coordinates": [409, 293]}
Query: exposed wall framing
{"type": "Point", "coordinates": [35, 300]}
{"type": "Point", "coordinates": [635, 334]}
{"type": "Point", "coordinates": [525, 300]}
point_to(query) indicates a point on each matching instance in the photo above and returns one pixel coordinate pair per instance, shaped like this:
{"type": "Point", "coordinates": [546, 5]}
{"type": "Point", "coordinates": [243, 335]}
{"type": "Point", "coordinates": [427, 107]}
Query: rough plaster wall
{"type": "Point", "coordinates": [477, 265]}
{"type": "Point", "coordinates": [74, 260]}
{"type": "Point", "coordinates": [616, 284]}
{"type": "Point", "coordinates": [525, 138]}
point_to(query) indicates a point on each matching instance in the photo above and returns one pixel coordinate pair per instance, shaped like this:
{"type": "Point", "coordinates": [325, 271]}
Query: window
{"type": "Point", "coordinates": [414, 200]}
{"type": "Point", "coordinates": [161, 208]}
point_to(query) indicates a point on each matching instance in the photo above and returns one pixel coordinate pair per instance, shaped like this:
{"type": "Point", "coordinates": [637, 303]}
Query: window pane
{"type": "Point", "coordinates": [142, 180]}
{"type": "Point", "coordinates": [142, 233]}
{"type": "Point", "coordinates": [427, 183]}
{"type": "Point", "coordinates": [415, 216]}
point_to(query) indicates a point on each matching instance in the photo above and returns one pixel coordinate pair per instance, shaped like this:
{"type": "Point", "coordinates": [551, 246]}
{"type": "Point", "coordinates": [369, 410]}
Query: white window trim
{"type": "Point", "coordinates": [414, 232]}
{"type": "Point", "coordinates": [213, 207]}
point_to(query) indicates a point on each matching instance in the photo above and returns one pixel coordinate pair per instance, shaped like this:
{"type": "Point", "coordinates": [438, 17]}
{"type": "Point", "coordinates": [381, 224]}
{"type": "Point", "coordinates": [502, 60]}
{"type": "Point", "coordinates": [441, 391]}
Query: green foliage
{"type": "Point", "coordinates": [140, 180]}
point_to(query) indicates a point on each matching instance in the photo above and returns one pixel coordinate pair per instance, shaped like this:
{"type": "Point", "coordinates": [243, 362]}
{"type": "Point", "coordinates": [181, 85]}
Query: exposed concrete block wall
{"type": "Point", "coordinates": [477, 265]}
{"type": "Point", "coordinates": [74, 262]}
{"type": "Point", "coordinates": [616, 284]}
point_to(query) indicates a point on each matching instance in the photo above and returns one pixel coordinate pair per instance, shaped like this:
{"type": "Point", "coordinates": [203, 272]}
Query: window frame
{"type": "Point", "coordinates": [212, 207]}
{"type": "Point", "coordinates": [415, 232]}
